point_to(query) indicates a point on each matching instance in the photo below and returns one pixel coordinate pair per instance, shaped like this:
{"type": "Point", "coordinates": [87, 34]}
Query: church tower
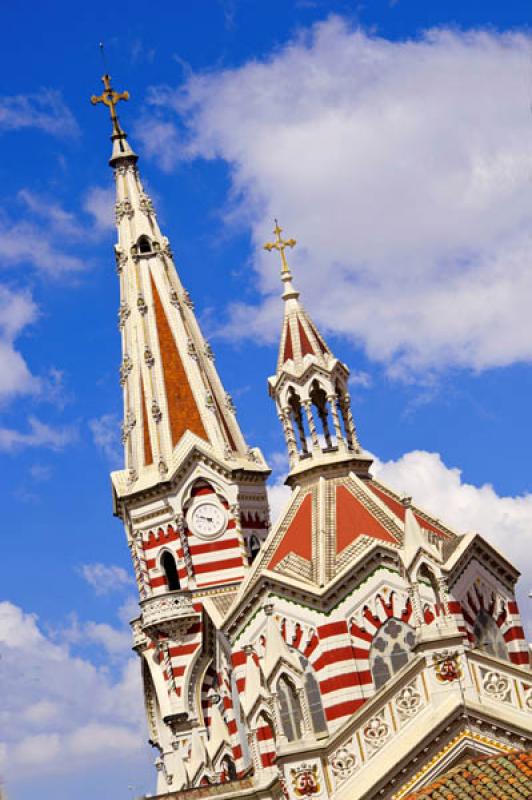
{"type": "Point", "coordinates": [358, 649]}
{"type": "Point", "coordinates": [192, 492]}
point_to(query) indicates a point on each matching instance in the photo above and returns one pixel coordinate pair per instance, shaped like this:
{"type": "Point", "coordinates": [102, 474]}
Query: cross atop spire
{"type": "Point", "coordinates": [110, 98]}
{"type": "Point", "coordinates": [280, 245]}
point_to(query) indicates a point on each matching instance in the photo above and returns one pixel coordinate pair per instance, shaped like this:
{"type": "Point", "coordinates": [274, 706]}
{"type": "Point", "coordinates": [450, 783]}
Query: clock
{"type": "Point", "coordinates": [207, 520]}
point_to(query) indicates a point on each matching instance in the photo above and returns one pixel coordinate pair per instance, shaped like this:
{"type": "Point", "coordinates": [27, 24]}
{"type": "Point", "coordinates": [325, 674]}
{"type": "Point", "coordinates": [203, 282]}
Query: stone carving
{"type": "Point", "coordinates": [156, 412]}
{"type": "Point", "coordinates": [125, 368]}
{"type": "Point", "coordinates": [229, 404]}
{"type": "Point", "coordinates": [127, 426]}
{"type": "Point", "coordinates": [447, 667]}
{"type": "Point", "coordinates": [148, 357]}
{"type": "Point", "coordinates": [191, 349]}
{"type": "Point", "coordinates": [209, 402]}
{"type": "Point", "coordinates": [157, 610]}
{"type": "Point", "coordinates": [495, 685]}
{"type": "Point", "coordinates": [123, 209]}
{"type": "Point", "coordinates": [187, 300]}
{"type": "Point", "coordinates": [408, 702]}
{"type": "Point", "coordinates": [166, 250]}
{"type": "Point", "coordinates": [123, 313]}
{"type": "Point", "coordinates": [343, 763]}
{"type": "Point", "coordinates": [146, 205]}
{"type": "Point", "coordinates": [120, 258]}
{"type": "Point", "coordinates": [141, 305]}
{"type": "Point", "coordinates": [376, 732]}
{"type": "Point", "coordinates": [305, 780]}
{"type": "Point", "coordinates": [174, 298]}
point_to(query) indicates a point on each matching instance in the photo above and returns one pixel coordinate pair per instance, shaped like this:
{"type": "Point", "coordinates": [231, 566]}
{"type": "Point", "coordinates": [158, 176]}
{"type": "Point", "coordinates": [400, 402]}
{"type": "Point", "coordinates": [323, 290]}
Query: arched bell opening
{"type": "Point", "coordinates": [298, 422]}
{"type": "Point", "coordinates": [320, 402]}
{"type": "Point", "coordinates": [144, 245]}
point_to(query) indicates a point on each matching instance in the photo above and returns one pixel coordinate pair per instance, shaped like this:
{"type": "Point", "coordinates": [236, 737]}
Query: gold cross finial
{"type": "Point", "coordinates": [280, 245]}
{"type": "Point", "coordinates": [110, 98]}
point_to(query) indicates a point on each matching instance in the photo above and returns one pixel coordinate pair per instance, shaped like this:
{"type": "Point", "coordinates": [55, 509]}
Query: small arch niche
{"type": "Point", "coordinates": [169, 568]}
{"type": "Point", "coordinates": [390, 650]}
{"type": "Point", "coordinates": [228, 769]}
{"type": "Point", "coordinates": [144, 245]}
{"type": "Point", "coordinates": [488, 636]}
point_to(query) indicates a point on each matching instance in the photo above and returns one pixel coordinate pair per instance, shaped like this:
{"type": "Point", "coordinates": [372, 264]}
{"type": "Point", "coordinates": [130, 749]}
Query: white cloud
{"type": "Point", "coordinates": [506, 522]}
{"type": "Point", "coordinates": [28, 242]}
{"type": "Point", "coordinates": [106, 436]}
{"type": "Point", "coordinates": [405, 180]}
{"type": "Point", "coordinates": [39, 435]}
{"type": "Point", "coordinates": [105, 578]}
{"type": "Point", "coordinates": [99, 202]}
{"type": "Point", "coordinates": [44, 110]}
{"type": "Point", "coordinates": [60, 713]}
{"type": "Point", "coordinates": [17, 311]}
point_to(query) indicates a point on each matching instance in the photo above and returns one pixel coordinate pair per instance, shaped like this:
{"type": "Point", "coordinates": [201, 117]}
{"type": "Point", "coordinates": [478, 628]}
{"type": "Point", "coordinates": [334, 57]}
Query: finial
{"type": "Point", "coordinates": [281, 244]}
{"type": "Point", "coordinates": [110, 98]}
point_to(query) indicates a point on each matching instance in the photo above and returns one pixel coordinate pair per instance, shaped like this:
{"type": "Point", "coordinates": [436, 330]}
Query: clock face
{"type": "Point", "coordinates": [207, 520]}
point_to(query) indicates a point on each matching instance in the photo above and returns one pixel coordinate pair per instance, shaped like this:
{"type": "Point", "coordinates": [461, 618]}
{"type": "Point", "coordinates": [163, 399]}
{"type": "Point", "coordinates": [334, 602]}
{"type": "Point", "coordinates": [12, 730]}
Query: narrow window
{"type": "Point", "coordinates": [170, 570]}
{"type": "Point", "coordinates": [290, 709]}
{"type": "Point", "coordinates": [488, 636]}
{"type": "Point", "coordinates": [254, 547]}
{"type": "Point", "coordinates": [390, 650]}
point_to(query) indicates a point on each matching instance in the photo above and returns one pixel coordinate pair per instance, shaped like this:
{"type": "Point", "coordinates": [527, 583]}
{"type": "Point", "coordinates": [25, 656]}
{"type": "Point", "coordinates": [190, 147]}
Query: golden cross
{"type": "Point", "coordinates": [110, 98]}
{"type": "Point", "coordinates": [280, 245]}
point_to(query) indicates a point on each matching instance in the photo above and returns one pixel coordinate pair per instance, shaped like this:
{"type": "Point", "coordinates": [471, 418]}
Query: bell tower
{"type": "Point", "coordinates": [191, 494]}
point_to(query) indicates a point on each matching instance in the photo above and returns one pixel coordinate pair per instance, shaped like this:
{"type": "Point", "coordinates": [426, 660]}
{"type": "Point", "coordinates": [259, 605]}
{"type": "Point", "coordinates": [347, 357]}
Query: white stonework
{"type": "Point", "coordinates": [357, 649]}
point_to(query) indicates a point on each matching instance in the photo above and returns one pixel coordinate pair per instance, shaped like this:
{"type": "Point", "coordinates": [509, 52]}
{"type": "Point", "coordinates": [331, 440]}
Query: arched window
{"type": "Point", "coordinates": [390, 650]}
{"type": "Point", "coordinates": [294, 401]}
{"type": "Point", "coordinates": [254, 547]}
{"type": "Point", "coordinates": [170, 570]}
{"type": "Point", "coordinates": [313, 694]}
{"type": "Point", "coordinates": [488, 636]}
{"type": "Point", "coordinates": [319, 400]}
{"type": "Point", "coordinates": [228, 769]}
{"type": "Point", "coordinates": [144, 245]}
{"type": "Point", "coordinates": [290, 709]}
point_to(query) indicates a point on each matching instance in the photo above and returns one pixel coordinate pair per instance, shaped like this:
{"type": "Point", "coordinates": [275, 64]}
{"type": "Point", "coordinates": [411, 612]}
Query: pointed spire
{"type": "Point", "coordinates": [413, 537]}
{"type": "Point", "coordinates": [276, 647]}
{"type": "Point", "coordinates": [218, 733]}
{"type": "Point", "coordinates": [173, 395]}
{"type": "Point", "coordinates": [253, 681]}
{"type": "Point", "coordinates": [310, 385]}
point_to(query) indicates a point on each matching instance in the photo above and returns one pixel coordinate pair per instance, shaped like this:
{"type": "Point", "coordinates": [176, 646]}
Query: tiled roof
{"type": "Point", "coordinates": [505, 777]}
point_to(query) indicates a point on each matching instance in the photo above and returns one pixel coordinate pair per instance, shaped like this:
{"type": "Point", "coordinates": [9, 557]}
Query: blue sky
{"type": "Point", "coordinates": [394, 141]}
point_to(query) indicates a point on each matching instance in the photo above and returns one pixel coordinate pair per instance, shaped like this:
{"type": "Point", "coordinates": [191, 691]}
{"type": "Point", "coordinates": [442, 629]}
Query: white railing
{"type": "Point", "coordinates": [174, 606]}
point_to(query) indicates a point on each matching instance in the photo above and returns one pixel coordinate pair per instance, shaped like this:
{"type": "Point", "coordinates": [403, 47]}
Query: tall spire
{"type": "Point", "coordinates": [310, 385]}
{"type": "Point", "coordinates": [173, 396]}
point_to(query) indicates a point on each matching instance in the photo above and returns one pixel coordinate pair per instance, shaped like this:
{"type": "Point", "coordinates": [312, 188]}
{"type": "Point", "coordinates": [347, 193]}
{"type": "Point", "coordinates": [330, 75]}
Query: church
{"type": "Point", "coordinates": [357, 648]}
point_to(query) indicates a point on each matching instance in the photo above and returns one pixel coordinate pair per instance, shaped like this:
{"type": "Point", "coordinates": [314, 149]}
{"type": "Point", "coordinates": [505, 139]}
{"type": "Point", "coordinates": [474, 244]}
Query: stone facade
{"type": "Point", "coordinates": [358, 648]}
